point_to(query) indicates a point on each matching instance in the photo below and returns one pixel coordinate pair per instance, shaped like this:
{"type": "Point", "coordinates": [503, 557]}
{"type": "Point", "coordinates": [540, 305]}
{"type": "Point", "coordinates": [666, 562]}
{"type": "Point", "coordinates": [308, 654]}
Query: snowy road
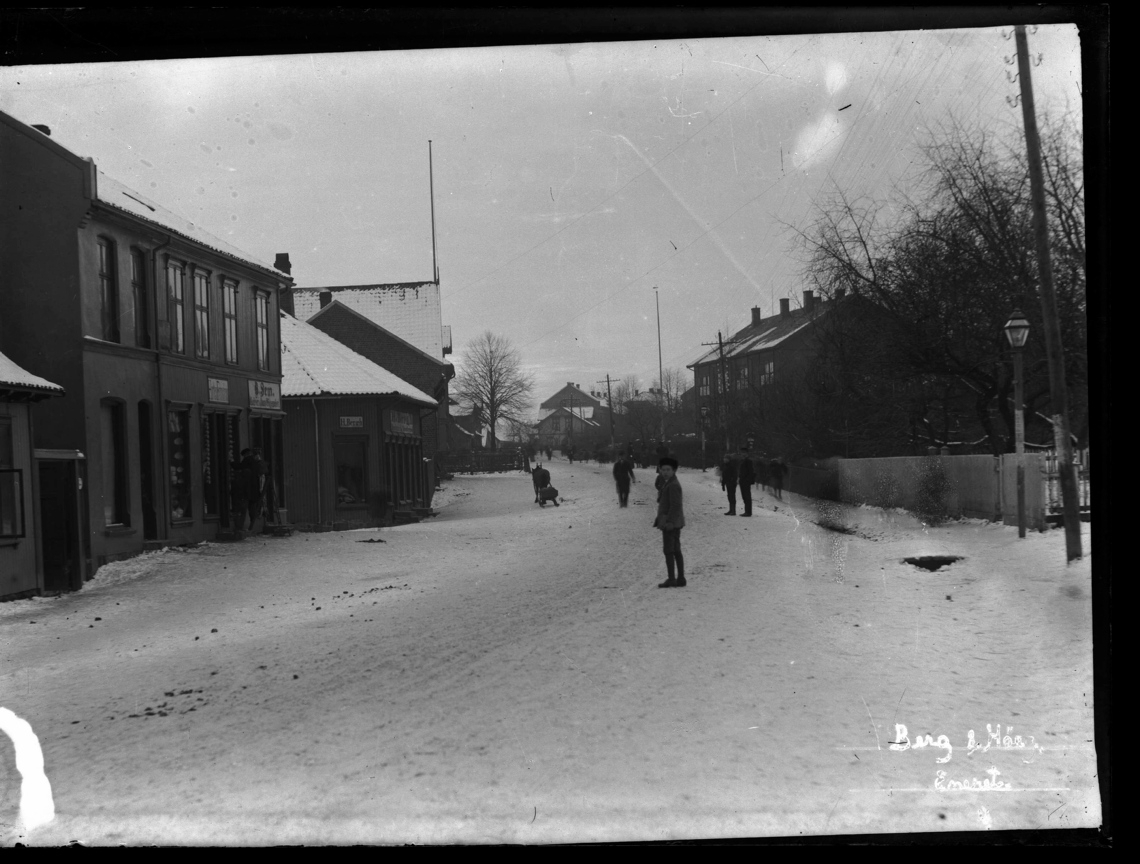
{"type": "Point", "coordinates": [509, 673]}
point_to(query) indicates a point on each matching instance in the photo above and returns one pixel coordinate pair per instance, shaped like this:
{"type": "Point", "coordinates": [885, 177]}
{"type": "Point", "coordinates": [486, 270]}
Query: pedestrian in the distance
{"type": "Point", "coordinates": [763, 473]}
{"type": "Point", "coordinates": [258, 473]}
{"type": "Point", "coordinates": [240, 489]}
{"type": "Point", "coordinates": [670, 520]}
{"type": "Point", "coordinates": [623, 475]}
{"type": "Point", "coordinates": [728, 478]}
{"type": "Point", "coordinates": [746, 476]}
{"type": "Point", "coordinates": [778, 469]}
{"type": "Point", "coordinates": [541, 481]}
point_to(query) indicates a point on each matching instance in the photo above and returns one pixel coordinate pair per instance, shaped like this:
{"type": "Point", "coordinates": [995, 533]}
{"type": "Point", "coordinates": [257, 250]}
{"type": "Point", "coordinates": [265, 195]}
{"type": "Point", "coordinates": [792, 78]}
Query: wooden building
{"type": "Point", "coordinates": [354, 454]}
{"type": "Point", "coordinates": [164, 337]}
{"type": "Point", "coordinates": [24, 554]}
{"type": "Point", "coordinates": [425, 372]}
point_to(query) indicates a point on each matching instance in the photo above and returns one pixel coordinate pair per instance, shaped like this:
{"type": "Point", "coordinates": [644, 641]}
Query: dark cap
{"type": "Point", "coordinates": [667, 460]}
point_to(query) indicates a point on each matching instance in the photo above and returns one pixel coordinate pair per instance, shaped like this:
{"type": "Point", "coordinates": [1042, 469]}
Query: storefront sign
{"type": "Point", "coordinates": [265, 394]}
{"type": "Point", "coordinates": [351, 422]}
{"type": "Point", "coordinates": [219, 390]}
{"type": "Point", "coordinates": [403, 423]}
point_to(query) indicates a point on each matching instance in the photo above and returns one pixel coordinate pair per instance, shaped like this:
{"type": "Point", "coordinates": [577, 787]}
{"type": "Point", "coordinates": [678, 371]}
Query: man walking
{"type": "Point", "coordinates": [746, 477]}
{"type": "Point", "coordinates": [670, 520]}
{"type": "Point", "coordinates": [728, 478]}
{"type": "Point", "coordinates": [623, 475]}
{"type": "Point", "coordinates": [777, 469]}
{"type": "Point", "coordinates": [541, 481]}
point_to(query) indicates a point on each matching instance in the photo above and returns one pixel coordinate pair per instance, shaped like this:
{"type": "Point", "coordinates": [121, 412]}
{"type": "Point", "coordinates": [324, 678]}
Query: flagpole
{"type": "Point", "coordinates": [431, 188]}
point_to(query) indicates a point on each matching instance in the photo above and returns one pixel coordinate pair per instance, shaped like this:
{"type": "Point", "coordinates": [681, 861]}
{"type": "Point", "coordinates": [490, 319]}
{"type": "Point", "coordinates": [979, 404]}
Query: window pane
{"type": "Point", "coordinates": [142, 301]}
{"type": "Point", "coordinates": [350, 479]}
{"type": "Point", "coordinates": [178, 429]}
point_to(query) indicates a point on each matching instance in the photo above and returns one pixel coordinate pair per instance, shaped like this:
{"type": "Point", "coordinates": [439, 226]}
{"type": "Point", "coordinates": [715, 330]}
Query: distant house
{"type": "Point", "coordinates": [426, 372]}
{"type": "Point", "coordinates": [579, 427]}
{"type": "Point", "coordinates": [353, 435]}
{"type": "Point", "coordinates": [572, 396]}
{"type": "Point", "coordinates": [25, 552]}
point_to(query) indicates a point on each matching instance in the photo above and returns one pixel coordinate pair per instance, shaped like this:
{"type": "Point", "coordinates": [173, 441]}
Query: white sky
{"type": "Point", "coordinates": [569, 180]}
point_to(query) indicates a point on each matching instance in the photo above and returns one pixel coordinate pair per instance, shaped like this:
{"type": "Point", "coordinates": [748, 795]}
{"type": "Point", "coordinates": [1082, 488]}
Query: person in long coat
{"type": "Point", "coordinates": [623, 475]}
{"type": "Point", "coordinates": [728, 477]}
{"type": "Point", "coordinates": [778, 469]}
{"type": "Point", "coordinates": [541, 480]}
{"type": "Point", "coordinates": [670, 520]}
{"type": "Point", "coordinates": [745, 478]}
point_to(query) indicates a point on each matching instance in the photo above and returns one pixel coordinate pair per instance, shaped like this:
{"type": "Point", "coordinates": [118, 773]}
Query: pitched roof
{"type": "Point", "coordinates": [315, 364]}
{"type": "Point", "coordinates": [411, 310]}
{"type": "Point", "coordinates": [439, 361]}
{"type": "Point", "coordinates": [114, 194]}
{"type": "Point", "coordinates": [573, 391]}
{"type": "Point", "coordinates": [766, 333]}
{"type": "Point", "coordinates": [16, 377]}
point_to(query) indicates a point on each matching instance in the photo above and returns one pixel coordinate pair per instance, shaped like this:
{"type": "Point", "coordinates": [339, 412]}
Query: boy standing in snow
{"type": "Point", "coordinates": [746, 477]}
{"type": "Point", "coordinates": [670, 520]}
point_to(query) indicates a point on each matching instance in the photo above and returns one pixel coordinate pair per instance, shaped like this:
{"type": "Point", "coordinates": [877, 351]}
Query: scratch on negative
{"type": "Point", "coordinates": [873, 727]}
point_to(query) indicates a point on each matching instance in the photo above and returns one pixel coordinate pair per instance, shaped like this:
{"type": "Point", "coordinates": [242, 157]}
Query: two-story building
{"type": "Point", "coordinates": [165, 338]}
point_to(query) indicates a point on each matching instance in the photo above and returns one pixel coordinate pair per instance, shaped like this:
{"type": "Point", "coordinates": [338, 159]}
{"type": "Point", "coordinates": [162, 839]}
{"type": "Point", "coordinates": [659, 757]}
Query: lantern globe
{"type": "Point", "coordinates": [1017, 329]}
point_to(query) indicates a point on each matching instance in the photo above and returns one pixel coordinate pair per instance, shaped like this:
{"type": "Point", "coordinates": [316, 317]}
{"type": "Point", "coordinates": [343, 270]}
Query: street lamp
{"type": "Point", "coordinates": [1017, 332]}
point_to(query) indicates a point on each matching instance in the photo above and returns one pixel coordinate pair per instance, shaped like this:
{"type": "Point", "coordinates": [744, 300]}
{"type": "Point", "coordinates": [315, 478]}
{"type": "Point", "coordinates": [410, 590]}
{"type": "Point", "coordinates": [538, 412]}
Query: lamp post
{"type": "Point", "coordinates": [1017, 332]}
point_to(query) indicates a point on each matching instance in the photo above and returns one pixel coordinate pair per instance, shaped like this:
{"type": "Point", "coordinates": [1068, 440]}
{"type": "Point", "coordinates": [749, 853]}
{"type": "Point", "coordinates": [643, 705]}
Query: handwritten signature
{"type": "Point", "coordinates": [944, 785]}
{"type": "Point", "coordinates": [995, 740]}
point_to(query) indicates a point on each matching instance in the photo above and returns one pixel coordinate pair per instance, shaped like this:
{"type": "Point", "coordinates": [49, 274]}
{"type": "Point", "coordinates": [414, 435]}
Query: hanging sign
{"type": "Point", "coordinates": [219, 390]}
{"type": "Point", "coordinates": [265, 394]}
{"type": "Point", "coordinates": [402, 422]}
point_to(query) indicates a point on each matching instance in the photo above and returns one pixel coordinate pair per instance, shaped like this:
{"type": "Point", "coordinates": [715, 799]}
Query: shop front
{"type": "Point", "coordinates": [408, 481]}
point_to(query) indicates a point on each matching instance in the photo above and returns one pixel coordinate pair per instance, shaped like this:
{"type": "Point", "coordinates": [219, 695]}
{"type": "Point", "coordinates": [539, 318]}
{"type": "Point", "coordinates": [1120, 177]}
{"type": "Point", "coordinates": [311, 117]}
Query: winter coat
{"type": "Point", "coordinates": [747, 475]}
{"type": "Point", "coordinates": [541, 478]}
{"type": "Point", "coordinates": [623, 472]}
{"type": "Point", "coordinates": [670, 512]}
{"type": "Point", "coordinates": [778, 470]}
{"type": "Point", "coordinates": [728, 472]}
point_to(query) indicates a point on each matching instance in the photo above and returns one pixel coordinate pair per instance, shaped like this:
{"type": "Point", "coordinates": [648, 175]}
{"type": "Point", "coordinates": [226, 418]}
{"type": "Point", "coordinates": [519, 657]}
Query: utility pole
{"type": "Point", "coordinates": [660, 366]}
{"type": "Point", "coordinates": [722, 403]}
{"type": "Point", "coordinates": [610, 406]}
{"type": "Point", "coordinates": [1052, 325]}
{"type": "Point", "coordinates": [431, 190]}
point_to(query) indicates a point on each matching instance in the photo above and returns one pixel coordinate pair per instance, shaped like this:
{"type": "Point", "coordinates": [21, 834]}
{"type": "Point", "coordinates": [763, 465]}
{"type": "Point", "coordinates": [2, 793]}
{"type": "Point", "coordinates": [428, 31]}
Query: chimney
{"type": "Point", "coordinates": [756, 316]}
{"type": "Point", "coordinates": [840, 293]}
{"type": "Point", "coordinates": [326, 298]}
{"type": "Point", "coordinates": [809, 300]}
{"type": "Point", "coordinates": [785, 307]}
{"type": "Point", "coordinates": [42, 128]}
{"type": "Point", "coordinates": [282, 263]}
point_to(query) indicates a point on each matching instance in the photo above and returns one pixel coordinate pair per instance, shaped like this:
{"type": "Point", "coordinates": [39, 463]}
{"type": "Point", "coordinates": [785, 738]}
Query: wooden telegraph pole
{"type": "Point", "coordinates": [1052, 326]}
{"type": "Point", "coordinates": [610, 406]}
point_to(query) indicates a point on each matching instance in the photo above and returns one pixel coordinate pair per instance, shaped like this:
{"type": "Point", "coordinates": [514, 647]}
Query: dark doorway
{"type": "Point", "coordinates": [146, 472]}
{"type": "Point", "coordinates": [59, 518]}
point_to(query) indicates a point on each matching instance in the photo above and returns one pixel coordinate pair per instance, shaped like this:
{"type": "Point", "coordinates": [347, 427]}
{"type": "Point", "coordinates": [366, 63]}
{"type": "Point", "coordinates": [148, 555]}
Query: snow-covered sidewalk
{"type": "Point", "coordinates": [503, 672]}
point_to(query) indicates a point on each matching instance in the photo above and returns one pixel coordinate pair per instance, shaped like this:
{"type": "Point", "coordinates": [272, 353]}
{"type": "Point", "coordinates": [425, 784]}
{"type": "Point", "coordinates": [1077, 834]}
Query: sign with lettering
{"type": "Point", "coordinates": [219, 390]}
{"type": "Point", "coordinates": [351, 422]}
{"type": "Point", "coordinates": [265, 394]}
{"type": "Point", "coordinates": [403, 422]}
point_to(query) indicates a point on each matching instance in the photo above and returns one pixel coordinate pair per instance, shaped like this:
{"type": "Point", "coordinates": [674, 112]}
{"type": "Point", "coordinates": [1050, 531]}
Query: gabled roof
{"type": "Point", "coordinates": [411, 310]}
{"type": "Point", "coordinates": [570, 390]}
{"type": "Point", "coordinates": [14, 377]}
{"type": "Point", "coordinates": [767, 333]}
{"type": "Point", "coordinates": [587, 420]}
{"type": "Point", "coordinates": [376, 326]}
{"type": "Point", "coordinates": [114, 194]}
{"type": "Point", "coordinates": [315, 364]}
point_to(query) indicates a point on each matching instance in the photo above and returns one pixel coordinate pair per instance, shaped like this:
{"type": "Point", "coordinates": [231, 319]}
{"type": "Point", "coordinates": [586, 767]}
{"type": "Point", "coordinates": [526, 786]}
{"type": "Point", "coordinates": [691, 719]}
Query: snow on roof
{"type": "Point", "coordinates": [12, 375]}
{"type": "Point", "coordinates": [315, 364]}
{"type": "Point", "coordinates": [410, 310]}
{"type": "Point", "coordinates": [769, 333]}
{"type": "Point", "coordinates": [115, 194]}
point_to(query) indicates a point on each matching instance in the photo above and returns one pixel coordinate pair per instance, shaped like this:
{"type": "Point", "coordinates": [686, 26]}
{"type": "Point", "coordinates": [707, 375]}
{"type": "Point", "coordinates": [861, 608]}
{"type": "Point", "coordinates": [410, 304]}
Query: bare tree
{"type": "Point", "coordinates": [623, 391]}
{"type": "Point", "coordinates": [946, 271]}
{"type": "Point", "coordinates": [491, 378]}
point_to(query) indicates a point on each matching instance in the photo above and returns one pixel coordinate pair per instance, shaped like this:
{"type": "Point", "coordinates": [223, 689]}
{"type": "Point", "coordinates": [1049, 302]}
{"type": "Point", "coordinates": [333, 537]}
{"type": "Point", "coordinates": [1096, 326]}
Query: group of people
{"type": "Point", "coordinates": [251, 488]}
{"type": "Point", "coordinates": [741, 470]}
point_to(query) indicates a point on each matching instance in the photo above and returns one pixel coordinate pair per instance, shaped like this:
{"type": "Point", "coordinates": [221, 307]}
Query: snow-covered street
{"type": "Point", "coordinates": [508, 673]}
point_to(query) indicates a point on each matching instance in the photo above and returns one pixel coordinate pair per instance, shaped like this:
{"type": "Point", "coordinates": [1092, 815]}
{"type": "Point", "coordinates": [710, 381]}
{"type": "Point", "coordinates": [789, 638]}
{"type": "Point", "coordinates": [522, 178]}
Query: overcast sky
{"type": "Point", "coordinates": [569, 180]}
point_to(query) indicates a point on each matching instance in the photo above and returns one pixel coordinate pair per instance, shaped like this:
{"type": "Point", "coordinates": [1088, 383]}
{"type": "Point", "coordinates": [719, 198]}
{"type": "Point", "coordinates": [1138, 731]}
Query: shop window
{"type": "Point", "coordinates": [351, 477]}
{"type": "Point", "coordinates": [113, 435]}
{"type": "Point", "coordinates": [201, 314]}
{"type": "Point", "coordinates": [211, 471]}
{"type": "Point", "coordinates": [229, 318]}
{"type": "Point", "coordinates": [178, 436]}
{"type": "Point", "coordinates": [108, 291]}
{"type": "Point", "coordinates": [142, 299]}
{"type": "Point", "coordinates": [11, 486]}
{"type": "Point", "coordinates": [176, 302]}
{"type": "Point", "coordinates": [261, 303]}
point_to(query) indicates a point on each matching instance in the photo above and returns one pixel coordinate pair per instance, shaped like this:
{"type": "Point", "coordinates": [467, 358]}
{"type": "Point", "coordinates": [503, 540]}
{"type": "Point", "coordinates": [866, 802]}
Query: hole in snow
{"type": "Point", "coordinates": [932, 562]}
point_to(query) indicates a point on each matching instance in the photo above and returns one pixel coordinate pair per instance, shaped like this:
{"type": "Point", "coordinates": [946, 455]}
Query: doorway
{"type": "Point", "coordinates": [59, 520]}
